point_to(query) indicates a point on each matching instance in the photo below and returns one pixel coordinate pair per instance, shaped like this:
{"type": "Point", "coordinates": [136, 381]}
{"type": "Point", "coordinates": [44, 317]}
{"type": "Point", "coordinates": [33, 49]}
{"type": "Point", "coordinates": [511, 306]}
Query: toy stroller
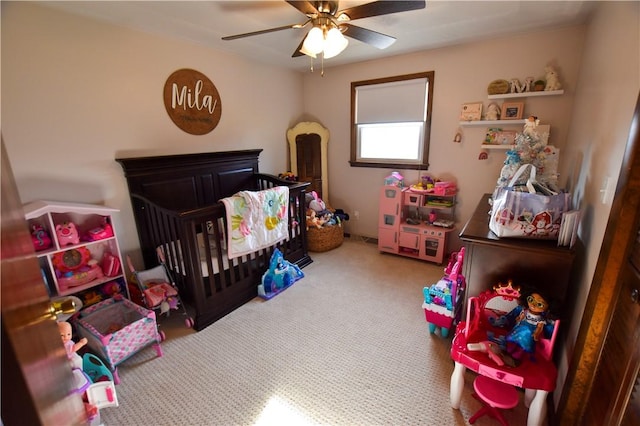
{"type": "Point", "coordinates": [443, 300]}
{"type": "Point", "coordinates": [157, 291]}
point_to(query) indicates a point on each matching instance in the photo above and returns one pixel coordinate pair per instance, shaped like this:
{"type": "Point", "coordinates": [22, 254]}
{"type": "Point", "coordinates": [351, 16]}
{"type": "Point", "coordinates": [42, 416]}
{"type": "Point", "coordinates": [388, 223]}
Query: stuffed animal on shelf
{"type": "Point", "coordinates": [553, 81]}
{"type": "Point", "coordinates": [493, 112]}
{"type": "Point", "coordinates": [71, 347]}
{"type": "Point", "coordinates": [67, 233]}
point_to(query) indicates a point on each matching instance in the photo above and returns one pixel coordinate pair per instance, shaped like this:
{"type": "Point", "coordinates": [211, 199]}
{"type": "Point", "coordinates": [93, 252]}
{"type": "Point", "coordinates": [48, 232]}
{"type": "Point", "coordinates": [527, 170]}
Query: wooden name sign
{"type": "Point", "coordinates": [192, 101]}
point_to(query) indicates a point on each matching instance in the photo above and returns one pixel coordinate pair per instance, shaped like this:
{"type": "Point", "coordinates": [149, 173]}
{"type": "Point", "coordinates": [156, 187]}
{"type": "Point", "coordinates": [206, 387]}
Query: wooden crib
{"type": "Point", "coordinates": [176, 206]}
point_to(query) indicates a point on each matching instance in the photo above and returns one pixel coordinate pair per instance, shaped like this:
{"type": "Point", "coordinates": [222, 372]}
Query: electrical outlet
{"type": "Point", "coordinates": [356, 214]}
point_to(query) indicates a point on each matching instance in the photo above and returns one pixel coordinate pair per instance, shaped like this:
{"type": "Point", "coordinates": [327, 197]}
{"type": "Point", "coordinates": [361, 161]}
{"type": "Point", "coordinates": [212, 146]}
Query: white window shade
{"type": "Point", "coordinates": [394, 102]}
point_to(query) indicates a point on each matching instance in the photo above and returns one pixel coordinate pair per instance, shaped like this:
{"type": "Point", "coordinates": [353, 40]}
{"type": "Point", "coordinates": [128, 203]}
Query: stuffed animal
{"type": "Point", "coordinates": [280, 275]}
{"type": "Point", "coordinates": [65, 334]}
{"type": "Point", "coordinates": [493, 112]}
{"type": "Point", "coordinates": [340, 215]}
{"type": "Point", "coordinates": [316, 203]}
{"type": "Point", "coordinates": [313, 220]}
{"type": "Point", "coordinates": [67, 234]}
{"type": "Point", "coordinates": [553, 81]}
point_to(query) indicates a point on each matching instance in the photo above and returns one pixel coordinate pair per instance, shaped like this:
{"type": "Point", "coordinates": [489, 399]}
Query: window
{"type": "Point", "coordinates": [391, 121]}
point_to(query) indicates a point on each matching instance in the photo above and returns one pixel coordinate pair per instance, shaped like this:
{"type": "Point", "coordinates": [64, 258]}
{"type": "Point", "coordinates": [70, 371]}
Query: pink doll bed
{"type": "Point", "coordinates": [117, 328]}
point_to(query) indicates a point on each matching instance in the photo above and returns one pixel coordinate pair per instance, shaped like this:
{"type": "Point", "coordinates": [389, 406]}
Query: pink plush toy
{"type": "Point", "coordinates": [67, 234]}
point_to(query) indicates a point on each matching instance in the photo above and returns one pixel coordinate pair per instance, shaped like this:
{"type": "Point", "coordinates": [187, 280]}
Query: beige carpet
{"type": "Point", "coordinates": [346, 345]}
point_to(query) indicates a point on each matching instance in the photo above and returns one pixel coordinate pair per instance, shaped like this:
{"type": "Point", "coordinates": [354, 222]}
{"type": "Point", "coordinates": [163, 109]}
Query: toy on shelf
{"type": "Point", "coordinates": [67, 233]}
{"type": "Point", "coordinates": [443, 300]}
{"type": "Point", "coordinates": [553, 81]}
{"type": "Point", "coordinates": [40, 238]}
{"type": "Point", "coordinates": [394, 179]}
{"type": "Point", "coordinates": [493, 112]}
{"type": "Point", "coordinates": [71, 347]}
{"type": "Point", "coordinates": [75, 267]}
{"type": "Point", "coordinates": [100, 232]}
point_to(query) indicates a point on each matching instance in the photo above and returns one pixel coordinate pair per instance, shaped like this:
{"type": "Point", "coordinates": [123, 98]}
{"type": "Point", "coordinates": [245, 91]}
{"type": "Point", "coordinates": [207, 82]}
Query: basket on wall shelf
{"type": "Point", "coordinates": [325, 238]}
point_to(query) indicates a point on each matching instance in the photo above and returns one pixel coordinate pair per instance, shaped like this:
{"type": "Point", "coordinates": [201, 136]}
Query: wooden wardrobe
{"type": "Point", "coordinates": [308, 143]}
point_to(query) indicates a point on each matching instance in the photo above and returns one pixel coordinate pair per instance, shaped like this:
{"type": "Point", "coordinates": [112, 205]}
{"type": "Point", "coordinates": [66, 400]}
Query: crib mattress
{"type": "Point", "coordinates": [174, 252]}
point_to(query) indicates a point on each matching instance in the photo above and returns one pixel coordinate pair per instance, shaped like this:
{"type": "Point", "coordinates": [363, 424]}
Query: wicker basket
{"type": "Point", "coordinates": [325, 238]}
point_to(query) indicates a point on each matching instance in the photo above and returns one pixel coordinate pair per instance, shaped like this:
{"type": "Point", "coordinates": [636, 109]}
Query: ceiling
{"type": "Point", "coordinates": [441, 23]}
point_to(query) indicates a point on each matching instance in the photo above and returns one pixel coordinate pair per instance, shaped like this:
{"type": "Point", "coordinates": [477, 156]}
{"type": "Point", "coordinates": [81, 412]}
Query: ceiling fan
{"type": "Point", "coordinates": [330, 25]}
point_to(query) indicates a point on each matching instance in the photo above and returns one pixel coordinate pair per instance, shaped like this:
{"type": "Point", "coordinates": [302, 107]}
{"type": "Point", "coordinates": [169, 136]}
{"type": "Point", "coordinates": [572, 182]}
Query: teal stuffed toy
{"type": "Point", "coordinates": [280, 275]}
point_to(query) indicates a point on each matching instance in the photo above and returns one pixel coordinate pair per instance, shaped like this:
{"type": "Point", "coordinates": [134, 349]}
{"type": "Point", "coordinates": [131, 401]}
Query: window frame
{"type": "Point", "coordinates": [423, 164]}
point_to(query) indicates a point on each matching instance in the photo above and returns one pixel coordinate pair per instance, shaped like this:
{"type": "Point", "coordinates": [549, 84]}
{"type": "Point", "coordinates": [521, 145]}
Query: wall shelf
{"type": "Point", "coordinates": [505, 147]}
{"type": "Point", "coordinates": [492, 122]}
{"type": "Point", "coordinates": [526, 94]}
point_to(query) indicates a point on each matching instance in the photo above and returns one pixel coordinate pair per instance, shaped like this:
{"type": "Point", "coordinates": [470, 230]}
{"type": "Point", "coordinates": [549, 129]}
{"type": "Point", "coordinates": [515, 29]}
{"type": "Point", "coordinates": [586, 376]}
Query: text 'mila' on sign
{"type": "Point", "coordinates": [192, 101]}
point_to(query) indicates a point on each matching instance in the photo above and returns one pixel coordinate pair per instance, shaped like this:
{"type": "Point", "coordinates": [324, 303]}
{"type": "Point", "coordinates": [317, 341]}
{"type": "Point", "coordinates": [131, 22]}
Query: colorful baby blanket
{"type": "Point", "coordinates": [256, 219]}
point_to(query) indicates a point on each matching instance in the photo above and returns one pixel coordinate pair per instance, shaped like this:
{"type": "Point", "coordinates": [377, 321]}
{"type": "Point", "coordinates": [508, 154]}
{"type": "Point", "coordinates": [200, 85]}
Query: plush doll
{"type": "Point", "coordinates": [530, 126]}
{"type": "Point", "coordinates": [531, 324]}
{"type": "Point", "coordinates": [72, 348]}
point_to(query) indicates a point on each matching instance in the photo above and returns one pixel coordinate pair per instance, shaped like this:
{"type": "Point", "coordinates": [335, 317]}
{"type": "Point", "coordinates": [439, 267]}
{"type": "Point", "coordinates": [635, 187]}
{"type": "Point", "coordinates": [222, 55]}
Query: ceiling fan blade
{"type": "Point", "coordinates": [305, 7]}
{"type": "Point", "coordinates": [378, 8]}
{"type": "Point", "coordinates": [376, 39]}
{"type": "Point", "coordinates": [270, 30]}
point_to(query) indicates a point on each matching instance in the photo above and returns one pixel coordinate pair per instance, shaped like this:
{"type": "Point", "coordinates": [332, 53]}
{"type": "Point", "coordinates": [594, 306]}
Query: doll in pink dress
{"type": "Point", "coordinates": [71, 347]}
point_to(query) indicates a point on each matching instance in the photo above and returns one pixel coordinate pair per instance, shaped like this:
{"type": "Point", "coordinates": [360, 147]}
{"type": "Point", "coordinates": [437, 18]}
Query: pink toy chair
{"type": "Point", "coordinates": [493, 395]}
{"type": "Point", "coordinates": [471, 347]}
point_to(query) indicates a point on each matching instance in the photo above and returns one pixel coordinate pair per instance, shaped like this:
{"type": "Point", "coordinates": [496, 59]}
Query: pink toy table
{"type": "Point", "coordinates": [536, 376]}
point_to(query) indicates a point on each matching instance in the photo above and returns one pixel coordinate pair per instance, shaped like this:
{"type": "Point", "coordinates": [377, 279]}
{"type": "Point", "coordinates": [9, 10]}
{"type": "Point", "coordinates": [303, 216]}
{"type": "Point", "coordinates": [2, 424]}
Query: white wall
{"type": "Point", "coordinates": [462, 74]}
{"type": "Point", "coordinates": [78, 93]}
{"type": "Point", "coordinates": [606, 94]}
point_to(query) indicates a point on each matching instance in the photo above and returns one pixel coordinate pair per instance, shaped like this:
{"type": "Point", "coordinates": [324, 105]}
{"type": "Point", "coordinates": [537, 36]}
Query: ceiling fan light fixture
{"type": "Point", "coordinates": [313, 43]}
{"type": "Point", "coordinates": [334, 43]}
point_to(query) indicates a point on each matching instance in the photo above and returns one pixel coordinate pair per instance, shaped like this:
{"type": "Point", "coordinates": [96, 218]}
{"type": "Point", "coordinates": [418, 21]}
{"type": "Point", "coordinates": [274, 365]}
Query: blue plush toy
{"type": "Point", "coordinates": [280, 275]}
